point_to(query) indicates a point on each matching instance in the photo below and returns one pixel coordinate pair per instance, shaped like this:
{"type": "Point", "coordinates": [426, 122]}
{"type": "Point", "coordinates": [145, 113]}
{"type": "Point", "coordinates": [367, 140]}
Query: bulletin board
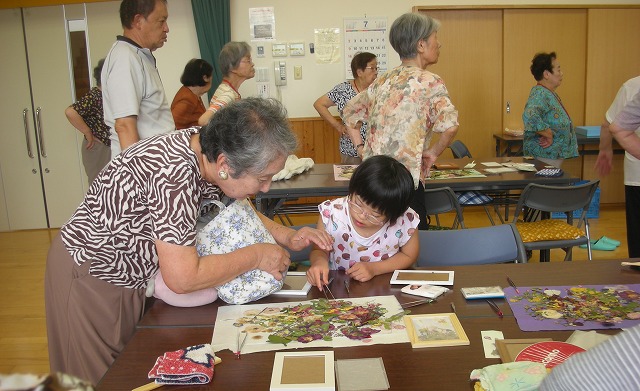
{"type": "Point", "coordinates": [365, 35]}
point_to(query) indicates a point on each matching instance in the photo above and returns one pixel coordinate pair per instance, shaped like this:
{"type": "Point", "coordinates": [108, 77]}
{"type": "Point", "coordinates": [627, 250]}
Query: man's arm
{"type": "Point", "coordinates": [127, 130]}
{"type": "Point", "coordinates": [625, 124]}
{"type": "Point", "coordinates": [627, 139]}
{"type": "Point", "coordinates": [604, 162]}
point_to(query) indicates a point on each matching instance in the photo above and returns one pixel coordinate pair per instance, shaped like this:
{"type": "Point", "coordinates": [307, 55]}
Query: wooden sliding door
{"type": "Point", "coordinates": [471, 65]}
{"type": "Point", "coordinates": [529, 31]}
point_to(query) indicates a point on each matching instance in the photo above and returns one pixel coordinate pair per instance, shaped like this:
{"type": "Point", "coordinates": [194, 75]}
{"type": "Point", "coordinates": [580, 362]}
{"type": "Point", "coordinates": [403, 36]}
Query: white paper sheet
{"type": "Point", "coordinates": [489, 342]}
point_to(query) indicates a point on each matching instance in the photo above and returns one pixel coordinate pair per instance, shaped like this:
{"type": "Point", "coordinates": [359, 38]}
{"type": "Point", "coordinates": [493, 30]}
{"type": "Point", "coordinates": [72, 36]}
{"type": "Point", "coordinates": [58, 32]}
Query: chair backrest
{"type": "Point", "coordinates": [566, 199]}
{"type": "Point", "coordinates": [459, 150]}
{"type": "Point", "coordinates": [442, 200]}
{"type": "Point", "coordinates": [471, 246]}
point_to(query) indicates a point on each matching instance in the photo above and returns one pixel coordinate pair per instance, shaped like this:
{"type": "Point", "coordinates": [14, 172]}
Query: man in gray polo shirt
{"type": "Point", "coordinates": [135, 104]}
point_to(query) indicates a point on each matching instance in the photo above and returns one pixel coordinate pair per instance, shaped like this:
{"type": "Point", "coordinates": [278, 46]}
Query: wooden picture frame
{"type": "Point", "coordinates": [310, 370]}
{"type": "Point", "coordinates": [421, 277]}
{"type": "Point", "coordinates": [343, 172]}
{"type": "Point", "coordinates": [433, 330]}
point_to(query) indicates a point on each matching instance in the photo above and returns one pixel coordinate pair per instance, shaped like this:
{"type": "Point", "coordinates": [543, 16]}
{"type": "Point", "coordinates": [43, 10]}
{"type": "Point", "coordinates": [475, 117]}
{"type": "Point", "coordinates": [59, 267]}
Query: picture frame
{"type": "Point", "coordinates": [343, 172]}
{"type": "Point", "coordinates": [434, 330]}
{"type": "Point", "coordinates": [298, 371]}
{"type": "Point", "coordinates": [295, 284]}
{"type": "Point", "coordinates": [421, 277]}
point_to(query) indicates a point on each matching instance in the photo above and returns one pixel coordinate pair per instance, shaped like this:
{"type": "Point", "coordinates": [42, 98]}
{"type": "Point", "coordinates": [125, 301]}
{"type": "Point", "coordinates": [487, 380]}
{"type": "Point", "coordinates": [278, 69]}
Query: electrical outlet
{"type": "Point", "coordinates": [263, 90]}
{"type": "Point", "coordinates": [297, 72]}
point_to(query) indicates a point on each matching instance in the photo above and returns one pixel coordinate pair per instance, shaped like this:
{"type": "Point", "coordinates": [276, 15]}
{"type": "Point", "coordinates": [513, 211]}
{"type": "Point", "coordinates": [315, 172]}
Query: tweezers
{"type": "Point", "coordinates": [326, 289]}
{"type": "Point", "coordinates": [241, 345]}
{"type": "Point", "coordinates": [416, 302]}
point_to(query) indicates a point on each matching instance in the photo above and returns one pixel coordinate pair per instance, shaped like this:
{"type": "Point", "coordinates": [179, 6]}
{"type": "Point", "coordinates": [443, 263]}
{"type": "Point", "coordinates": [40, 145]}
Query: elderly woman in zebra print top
{"type": "Point", "coordinates": [140, 215]}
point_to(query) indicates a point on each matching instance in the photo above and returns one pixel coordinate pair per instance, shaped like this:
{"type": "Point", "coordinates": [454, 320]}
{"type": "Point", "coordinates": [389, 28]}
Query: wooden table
{"type": "Point", "coordinates": [507, 145]}
{"type": "Point", "coordinates": [166, 328]}
{"type": "Point", "coordinates": [319, 182]}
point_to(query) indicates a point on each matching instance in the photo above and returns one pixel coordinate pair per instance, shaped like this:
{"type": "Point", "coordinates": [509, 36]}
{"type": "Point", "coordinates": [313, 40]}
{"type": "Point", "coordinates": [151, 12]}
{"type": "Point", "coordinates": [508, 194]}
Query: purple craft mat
{"type": "Point", "coordinates": [527, 322]}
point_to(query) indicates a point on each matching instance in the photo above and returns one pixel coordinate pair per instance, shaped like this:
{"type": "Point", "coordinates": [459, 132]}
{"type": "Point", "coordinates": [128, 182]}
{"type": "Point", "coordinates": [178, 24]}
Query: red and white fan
{"type": "Point", "coordinates": [550, 353]}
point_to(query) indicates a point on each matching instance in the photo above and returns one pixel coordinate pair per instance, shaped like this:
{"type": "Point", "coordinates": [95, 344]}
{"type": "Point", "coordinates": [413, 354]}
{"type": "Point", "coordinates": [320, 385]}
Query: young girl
{"type": "Point", "coordinates": [373, 227]}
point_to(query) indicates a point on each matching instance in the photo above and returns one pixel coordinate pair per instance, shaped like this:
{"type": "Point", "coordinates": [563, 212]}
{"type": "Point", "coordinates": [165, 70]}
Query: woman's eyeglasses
{"type": "Point", "coordinates": [358, 209]}
{"type": "Point", "coordinates": [375, 69]}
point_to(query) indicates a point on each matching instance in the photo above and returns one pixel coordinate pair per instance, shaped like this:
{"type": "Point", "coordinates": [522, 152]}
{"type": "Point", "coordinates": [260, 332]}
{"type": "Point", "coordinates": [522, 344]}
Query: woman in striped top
{"type": "Point", "coordinates": [140, 215]}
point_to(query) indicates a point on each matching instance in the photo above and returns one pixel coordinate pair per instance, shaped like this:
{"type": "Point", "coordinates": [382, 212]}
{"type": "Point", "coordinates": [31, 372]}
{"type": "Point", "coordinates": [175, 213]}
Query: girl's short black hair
{"type": "Point", "coordinates": [384, 184]}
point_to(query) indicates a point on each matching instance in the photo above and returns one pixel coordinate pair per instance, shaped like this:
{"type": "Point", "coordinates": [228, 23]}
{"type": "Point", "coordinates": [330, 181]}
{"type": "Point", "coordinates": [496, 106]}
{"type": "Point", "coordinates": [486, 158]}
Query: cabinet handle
{"type": "Point", "coordinates": [508, 107]}
{"type": "Point", "coordinates": [43, 151]}
{"type": "Point", "coordinates": [26, 132]}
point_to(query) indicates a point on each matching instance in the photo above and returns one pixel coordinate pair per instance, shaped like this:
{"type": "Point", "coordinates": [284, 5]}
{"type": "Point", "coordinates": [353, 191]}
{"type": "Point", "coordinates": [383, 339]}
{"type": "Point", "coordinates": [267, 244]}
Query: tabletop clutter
{"type": "Point", "coordinates": [331, 322]}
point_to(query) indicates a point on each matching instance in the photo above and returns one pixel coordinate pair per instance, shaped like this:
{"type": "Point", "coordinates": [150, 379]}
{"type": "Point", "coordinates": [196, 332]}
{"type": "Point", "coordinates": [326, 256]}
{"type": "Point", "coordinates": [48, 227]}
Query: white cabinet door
{"type": "Point", "coordinates": [22, 184]}
{"type": "Point", "coordinates": [39, 158]}
{"type": "Point", "coordinates": [59, 142]}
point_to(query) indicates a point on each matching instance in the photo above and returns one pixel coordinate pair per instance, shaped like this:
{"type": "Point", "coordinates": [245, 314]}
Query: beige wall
{"type": "Point", "coordinates": [296, 20]}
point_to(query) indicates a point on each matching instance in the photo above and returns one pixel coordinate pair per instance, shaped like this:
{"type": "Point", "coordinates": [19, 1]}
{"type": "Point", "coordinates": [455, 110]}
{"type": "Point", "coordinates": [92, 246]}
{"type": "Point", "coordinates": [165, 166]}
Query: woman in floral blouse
{"type": "Point", "coordinates": [406, 105]}
{"type": "Point", "coordinates": [549, 135]}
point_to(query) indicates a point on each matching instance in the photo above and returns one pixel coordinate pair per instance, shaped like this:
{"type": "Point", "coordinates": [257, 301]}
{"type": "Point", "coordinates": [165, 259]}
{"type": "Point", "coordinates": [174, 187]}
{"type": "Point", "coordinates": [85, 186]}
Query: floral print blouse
{"type": "Point", "coordinates": [404, 106]}
{"type": "Point", "coordinates": [340, 95]}
{"type": "Point", "coordinates": [90, 109]}
{"type": "Point", "coordinates": [544, 110]}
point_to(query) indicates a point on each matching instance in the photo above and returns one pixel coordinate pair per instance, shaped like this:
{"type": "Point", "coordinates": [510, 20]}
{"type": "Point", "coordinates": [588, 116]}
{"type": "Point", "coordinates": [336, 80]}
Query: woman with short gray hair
{"type": "Point", "coordinates": [236, 67]}
{"type": "Point", "coordinates": [407, 105]}
{"type": "Point", "coordinates": [408, 30]}
{"type": "Point", "coordinates": [139, 217]}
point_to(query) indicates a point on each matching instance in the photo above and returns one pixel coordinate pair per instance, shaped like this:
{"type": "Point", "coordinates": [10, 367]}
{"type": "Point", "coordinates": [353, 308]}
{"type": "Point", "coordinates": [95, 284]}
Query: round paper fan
{"type": "Point", "coordinates": [550, 353]}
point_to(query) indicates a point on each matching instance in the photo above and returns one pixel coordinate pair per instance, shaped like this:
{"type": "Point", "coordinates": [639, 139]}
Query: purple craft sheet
{"type": "Point", "coordinates": [527, 322]}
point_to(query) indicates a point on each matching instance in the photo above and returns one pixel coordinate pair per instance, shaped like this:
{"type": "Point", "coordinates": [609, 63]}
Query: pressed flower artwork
{"type": "Point", "coordinates": [318, 322]}
{"type": "Point", "coordinates": [576, 307]}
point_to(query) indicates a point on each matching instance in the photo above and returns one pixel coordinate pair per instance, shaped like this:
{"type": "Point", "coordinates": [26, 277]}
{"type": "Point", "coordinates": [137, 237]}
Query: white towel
{"type": "Point", "coordinates": [294, 166]}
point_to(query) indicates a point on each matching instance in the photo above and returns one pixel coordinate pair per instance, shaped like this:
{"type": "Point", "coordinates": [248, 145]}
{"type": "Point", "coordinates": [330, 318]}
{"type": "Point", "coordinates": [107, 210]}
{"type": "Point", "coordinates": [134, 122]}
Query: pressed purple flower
{"type": "Point", "coordinates": [309, 338]}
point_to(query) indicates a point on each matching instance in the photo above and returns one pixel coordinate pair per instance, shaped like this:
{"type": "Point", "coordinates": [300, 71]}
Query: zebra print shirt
{"type": "Point", "coordinates": [153, 190]}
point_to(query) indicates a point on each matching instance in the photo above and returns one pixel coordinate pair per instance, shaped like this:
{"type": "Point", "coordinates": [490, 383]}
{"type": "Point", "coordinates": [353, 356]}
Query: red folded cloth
{"type": "Point", "coordinates": [192, 365]}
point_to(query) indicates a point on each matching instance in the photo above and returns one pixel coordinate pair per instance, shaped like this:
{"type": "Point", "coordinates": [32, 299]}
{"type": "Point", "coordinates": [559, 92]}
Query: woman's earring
{"type": "Point", "coordinates": [223, 175]}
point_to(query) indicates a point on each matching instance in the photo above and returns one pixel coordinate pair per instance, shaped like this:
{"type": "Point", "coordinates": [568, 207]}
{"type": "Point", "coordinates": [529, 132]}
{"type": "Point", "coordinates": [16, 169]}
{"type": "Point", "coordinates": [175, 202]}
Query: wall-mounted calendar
{"type": "Point", "coordinates": [365, 35]}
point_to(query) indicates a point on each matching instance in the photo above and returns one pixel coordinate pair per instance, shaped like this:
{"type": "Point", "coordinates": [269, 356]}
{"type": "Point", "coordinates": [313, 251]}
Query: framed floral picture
{"type": "Point", "coordinates": [432, 330]}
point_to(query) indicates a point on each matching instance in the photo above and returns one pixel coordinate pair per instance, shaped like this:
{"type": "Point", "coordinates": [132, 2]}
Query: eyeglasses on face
{"type": "Point", "coordinates": [247, 60]}
{"type": "Point", "coordinates": [375, 69]}
{"type": "Point", "coordinates": [370, 218]}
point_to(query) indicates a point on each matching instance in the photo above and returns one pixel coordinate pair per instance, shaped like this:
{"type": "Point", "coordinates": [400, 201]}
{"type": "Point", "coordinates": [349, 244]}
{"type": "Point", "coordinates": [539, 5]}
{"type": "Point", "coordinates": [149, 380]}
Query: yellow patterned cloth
{"type": "Point", "coordinates": [550, 229]}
